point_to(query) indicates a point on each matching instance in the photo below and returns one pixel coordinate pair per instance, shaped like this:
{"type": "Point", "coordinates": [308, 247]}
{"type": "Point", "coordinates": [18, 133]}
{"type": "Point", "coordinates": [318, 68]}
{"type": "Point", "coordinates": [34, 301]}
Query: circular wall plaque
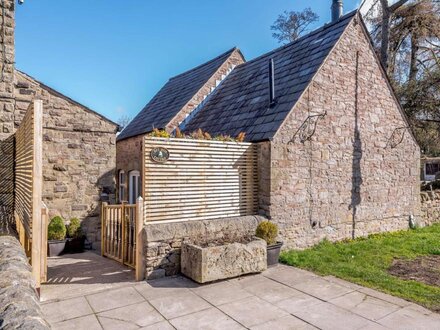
{"type": "Point", "coordinates": [159, 154]}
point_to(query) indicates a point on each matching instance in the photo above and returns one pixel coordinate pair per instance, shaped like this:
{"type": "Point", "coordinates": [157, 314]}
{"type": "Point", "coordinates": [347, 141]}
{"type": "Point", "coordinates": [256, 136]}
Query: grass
{"type": "Point", "coordinates": [365, 261]}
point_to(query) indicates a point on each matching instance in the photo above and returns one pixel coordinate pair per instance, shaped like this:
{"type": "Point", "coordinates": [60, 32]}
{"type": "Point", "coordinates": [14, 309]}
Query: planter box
{"type": "Point", "coordinates": [207, 264]}
{"type": "Point", "coordinates": [55, 248]}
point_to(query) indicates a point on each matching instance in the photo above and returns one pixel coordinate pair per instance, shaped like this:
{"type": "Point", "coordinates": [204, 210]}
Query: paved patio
{"type": "Point", "coordinates": [281, 298]}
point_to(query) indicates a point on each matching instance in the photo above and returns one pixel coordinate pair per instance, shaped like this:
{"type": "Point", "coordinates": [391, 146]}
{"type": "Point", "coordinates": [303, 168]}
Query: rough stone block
{"type": "Point", "coordinates": [207, 264]}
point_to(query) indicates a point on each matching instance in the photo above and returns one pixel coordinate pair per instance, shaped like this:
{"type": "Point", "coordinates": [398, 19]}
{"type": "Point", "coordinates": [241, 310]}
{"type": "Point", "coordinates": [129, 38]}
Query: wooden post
{"type": "Point", "coordinates": [103, 225]}
{"type": "Point", "coordinates": [37, 191]}
{"type": "Point", "coordinates": [140, 266]}
{"type": "Point", "coordinates": [44, 225]}
{"type": "Point", "coordinates": [122, 234]}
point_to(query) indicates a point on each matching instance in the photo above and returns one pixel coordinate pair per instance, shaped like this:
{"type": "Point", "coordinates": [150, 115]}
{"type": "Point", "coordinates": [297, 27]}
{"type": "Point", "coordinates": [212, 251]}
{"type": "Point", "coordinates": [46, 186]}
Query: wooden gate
{"type": "Point", "coordinates": [121, 234]}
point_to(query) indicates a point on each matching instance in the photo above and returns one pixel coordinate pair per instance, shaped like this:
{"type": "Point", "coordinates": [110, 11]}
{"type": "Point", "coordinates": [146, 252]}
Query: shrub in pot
{"type": "Point", "coordinates": [56, 236]}
{"type": "Point", "coordinates": [76, 239]}
{"type": "Point", "coordinates": [269, 231]}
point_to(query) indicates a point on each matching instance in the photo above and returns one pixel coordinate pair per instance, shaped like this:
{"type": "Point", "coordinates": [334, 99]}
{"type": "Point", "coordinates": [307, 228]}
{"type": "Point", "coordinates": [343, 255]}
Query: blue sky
{"type": "Point", "coordinates": [113, 56]}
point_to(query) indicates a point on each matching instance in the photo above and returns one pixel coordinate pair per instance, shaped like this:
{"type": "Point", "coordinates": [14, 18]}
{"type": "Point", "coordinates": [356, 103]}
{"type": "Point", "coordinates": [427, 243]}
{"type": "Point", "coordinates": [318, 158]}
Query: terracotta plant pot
{"type": "Point", "coordinates": [273, 254]}
{"type": "Point", "coordinates": [55, 248]}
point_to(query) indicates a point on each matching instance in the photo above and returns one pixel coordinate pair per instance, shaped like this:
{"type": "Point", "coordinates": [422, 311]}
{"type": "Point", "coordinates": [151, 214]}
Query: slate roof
{"type": "Point", "coordinates": [241, 102]}
{"type": "Point", "coordinates": [176, 93]}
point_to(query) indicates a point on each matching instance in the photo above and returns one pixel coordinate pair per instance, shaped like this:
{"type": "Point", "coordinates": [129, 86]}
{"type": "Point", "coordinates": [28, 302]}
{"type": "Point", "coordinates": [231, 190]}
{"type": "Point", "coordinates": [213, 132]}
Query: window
{"type": "Point", "coordinates": [134, 186]}
{"type": "Point", "coordinates": [122, 186]}
{"type": "Point", "coordinates": [432, 169]}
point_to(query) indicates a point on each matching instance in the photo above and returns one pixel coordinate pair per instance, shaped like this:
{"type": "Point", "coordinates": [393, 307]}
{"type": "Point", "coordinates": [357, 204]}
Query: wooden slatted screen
{"type": "Point", "coordinates": [28, 188]}
{"type": "Point", "coordinates": [202, 179]}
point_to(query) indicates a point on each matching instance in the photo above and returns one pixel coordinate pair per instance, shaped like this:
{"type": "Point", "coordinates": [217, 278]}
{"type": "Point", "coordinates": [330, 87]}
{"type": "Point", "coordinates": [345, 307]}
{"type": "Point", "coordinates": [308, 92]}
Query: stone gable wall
{"type": "Point", "coordinates": [235, 59]}
{"type": "Point", "coordinates": [347, 180]}
{"type": "Point", "coordinates": [79, 155]}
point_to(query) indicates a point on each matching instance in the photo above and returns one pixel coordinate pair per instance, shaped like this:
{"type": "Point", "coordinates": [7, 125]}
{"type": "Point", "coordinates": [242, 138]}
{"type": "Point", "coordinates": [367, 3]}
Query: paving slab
{"type": "Point", "coordinates": [89, 322]}
{"type": "Point", "coordinates": [221, 293]}
{"type": "Point", "coordinates": [270, 290]}
{"type": "Point", "coordinates": [66, 309]}
{"type": "Point", "coordinates": [409, 318]}
{"type": "Point", "coordinates": [285, 323]}
{"type": "Point", "coordinates": [209, 319]}
{"type": "Point", "coordinates": [289, 276]}
{"type": "Point", "coordinates": [112, 324]}
{"type": "Point", "coordinates": [164, 287]}
{"type": "Point", "coordinates": [113, 299]}
{"type": "Point", "coordinates": [82, 274]}
{"type": "Point", "coordinates": [369, 307]}
{"type": "Point", "coordinates": [141, 314]}
{"type": "Point", "coordinates": [297, 303]}
{"type": "Point", "coordinates": [280, 298]}
{"type": "Point", "coordinates": [252, 311]}
{"type": "Point", "coordinates": [328, 316]}
{"type": "Point", "coordinates": [164, 325]}
{"type": "Point", "coordinates": [322, 289]}
{"type": "Point", "coordinates": [179, 304]}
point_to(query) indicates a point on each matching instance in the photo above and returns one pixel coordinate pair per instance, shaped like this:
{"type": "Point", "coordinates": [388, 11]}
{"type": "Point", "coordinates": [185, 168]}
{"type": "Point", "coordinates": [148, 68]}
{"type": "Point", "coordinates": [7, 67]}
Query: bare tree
{"type": "Point", "coordinates": [291, 25]}
{"type": "Point", "coordinates": [123, 121]}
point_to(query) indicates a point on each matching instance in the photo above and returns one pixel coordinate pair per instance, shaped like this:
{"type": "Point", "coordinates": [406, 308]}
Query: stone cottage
{"type": "Point", "coordinates": [79, 147]}
{"type": "Point", "coordinates": [336, 157]}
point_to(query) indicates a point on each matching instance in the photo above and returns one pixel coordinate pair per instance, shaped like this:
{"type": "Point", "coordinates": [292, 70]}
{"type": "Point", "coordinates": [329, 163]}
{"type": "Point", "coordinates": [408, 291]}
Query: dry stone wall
{"type": "Point", "coordinates": [79, 154]}
{"type": "Point", "coordinates": [353, 176]}
{"type": "Point", "coordinates": [19, 301]}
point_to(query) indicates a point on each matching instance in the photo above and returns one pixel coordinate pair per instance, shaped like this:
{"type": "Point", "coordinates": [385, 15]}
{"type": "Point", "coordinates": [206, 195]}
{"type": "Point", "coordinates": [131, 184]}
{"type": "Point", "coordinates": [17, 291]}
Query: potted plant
{"type": "Point", "coordinates": [269, 231]}
{"type": "Point", "coordinates": [56, 234]}
{"type": "Point", "coordinates": [75, 237]}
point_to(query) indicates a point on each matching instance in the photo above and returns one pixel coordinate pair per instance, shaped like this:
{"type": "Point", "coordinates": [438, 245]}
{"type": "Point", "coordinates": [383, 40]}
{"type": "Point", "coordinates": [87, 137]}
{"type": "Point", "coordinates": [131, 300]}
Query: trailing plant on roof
{"type": "Point", "coordinates": [56, 229]}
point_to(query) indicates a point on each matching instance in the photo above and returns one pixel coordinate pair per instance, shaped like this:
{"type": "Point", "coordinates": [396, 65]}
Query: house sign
{"type": "Point", "coordinates": [159, 155]}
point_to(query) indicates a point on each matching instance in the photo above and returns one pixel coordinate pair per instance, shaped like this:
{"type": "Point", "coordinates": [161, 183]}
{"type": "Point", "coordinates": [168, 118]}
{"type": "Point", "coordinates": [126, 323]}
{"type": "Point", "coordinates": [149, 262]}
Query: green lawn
{"type": "Point", "coordinates": [365, 261]}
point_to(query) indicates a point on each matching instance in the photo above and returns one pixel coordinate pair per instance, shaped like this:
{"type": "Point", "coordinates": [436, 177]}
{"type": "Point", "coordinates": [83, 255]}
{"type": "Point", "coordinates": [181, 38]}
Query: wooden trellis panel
{"type": "Point", "coordinates": [29, 214]}
{"type": "Point", "coordinates": [200, 180]}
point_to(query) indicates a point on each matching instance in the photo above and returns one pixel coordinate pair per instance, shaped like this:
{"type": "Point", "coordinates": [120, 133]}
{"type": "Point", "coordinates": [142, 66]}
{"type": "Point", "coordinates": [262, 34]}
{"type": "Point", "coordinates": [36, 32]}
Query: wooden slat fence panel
{"type": "Point", "coordinates": [29, 209]}
{"type": "Point", "coordinates": [201, 180]}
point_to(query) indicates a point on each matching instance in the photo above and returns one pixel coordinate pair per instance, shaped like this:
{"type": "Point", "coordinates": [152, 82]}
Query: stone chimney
{"type": "Point", "coordinates": [337, 10]}
{"type": "Point", "coordinates": [7, 60]}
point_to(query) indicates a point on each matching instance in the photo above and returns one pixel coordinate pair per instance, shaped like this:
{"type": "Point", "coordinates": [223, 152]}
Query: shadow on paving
{"type": "Point", "coordinates": [72, 275]}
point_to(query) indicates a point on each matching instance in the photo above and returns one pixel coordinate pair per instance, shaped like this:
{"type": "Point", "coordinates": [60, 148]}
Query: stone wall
{"type": "Point", "coordinates": [430, 210]}
{"type": "Point", "coordinates": [163, 241]}
{"type": "Point", "coordinates": [7, 60]}
{"type": "Point", "coordinates": [235, 59]}
{"type": "Point", "coordinates": [19, 301]}
{"type": "Point", "coordinates": [128, 158]}
{"type": "Point", "coordinates": [352, 177]}
{"type": "Point", "coordinates": [79, 154]}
